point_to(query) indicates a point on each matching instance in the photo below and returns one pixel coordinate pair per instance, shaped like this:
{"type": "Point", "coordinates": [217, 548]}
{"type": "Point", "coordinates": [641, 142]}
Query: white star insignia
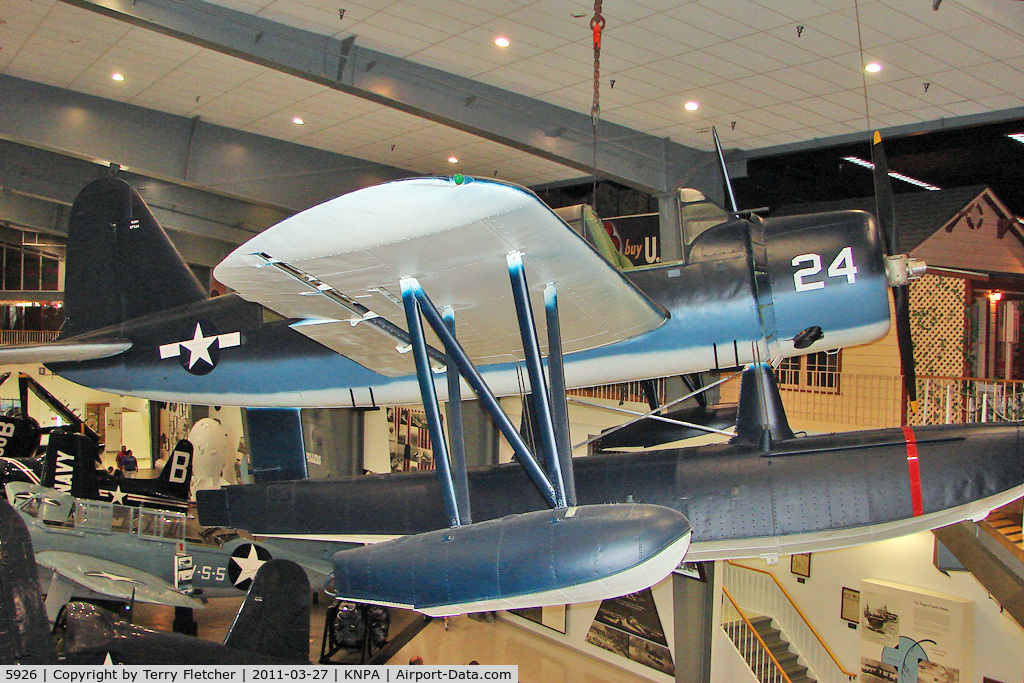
{"type": "Point", "coordinates": [112, 577]}
{"type": "Point", "coordinates": [199, 347]}
{"type": "Point", "coordinates": [250, 564]}
{"type": "Point", "coordinates": [117, 495]}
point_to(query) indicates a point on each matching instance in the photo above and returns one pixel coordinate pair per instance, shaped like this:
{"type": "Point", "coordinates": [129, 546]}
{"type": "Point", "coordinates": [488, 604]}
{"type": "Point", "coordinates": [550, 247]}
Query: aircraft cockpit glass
{"type": "Point", "coordinates": [160, 524]}
{"type": "Point", "coordinates": [122, 519]}
{"type": "Point", "coordinates": [92, 515]}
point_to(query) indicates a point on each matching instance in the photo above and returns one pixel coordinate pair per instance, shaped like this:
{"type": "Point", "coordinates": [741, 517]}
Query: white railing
{"type": "Point", "coordinates": [749, 643]}
{"type": "Point", "coordinates": [759, 591]}
{"type": "Point", "coordinates": [956, 400]}
{"type": "Point", "coordinates": [15, 337]}
{"type": "Point", "coordinates": [626, 391]}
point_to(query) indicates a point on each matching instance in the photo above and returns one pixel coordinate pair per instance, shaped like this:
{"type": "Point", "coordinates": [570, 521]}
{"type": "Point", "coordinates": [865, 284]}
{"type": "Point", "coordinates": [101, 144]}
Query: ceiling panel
{"type": "Point", "coordinates": [747, 61]}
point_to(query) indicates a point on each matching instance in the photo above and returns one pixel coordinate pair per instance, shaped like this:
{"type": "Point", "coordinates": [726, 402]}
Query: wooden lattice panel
{"type": "Point", "coordinates": [937, 319]}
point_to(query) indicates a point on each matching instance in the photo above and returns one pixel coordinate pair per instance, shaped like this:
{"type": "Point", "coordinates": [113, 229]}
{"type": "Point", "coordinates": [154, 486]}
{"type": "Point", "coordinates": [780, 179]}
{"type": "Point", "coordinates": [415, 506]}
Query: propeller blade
{"type": "Point", "coordinates": [886, 211]}
{"type": "Point", "coordinates": [883, 195]}
{"type": "Point", "coordinates": [901, 299]}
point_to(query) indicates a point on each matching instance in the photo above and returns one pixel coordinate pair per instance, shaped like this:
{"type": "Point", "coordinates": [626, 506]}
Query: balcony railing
{"type": "Point", "coordinates": [953, 400]}
{"type": "Point", "coordinates": [16, 337]}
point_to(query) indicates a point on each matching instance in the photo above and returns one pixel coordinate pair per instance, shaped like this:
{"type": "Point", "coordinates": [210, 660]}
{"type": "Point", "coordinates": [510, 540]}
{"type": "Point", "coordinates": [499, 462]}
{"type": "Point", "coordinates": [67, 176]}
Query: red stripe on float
{"type": "Point", "coordinates": [914, 469]}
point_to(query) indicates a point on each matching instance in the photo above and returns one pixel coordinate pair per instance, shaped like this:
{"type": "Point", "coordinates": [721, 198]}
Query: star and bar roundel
{"type": "Point", "coordinates": [200, 353]}
{"type": "Point", "coordinates": [245, 561]}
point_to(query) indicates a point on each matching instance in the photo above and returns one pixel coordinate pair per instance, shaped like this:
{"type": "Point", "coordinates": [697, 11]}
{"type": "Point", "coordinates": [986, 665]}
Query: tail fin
{"type": "Point", "coordinates": [120, 264]}
{"type": "Point", "coordinates": [70, 464]}
{"type": "Point", "coordinates": [274, 618]}
{"type": "Point", "coordinates": [276, 445]}
{"type": "Point", "coordinates": [176, 476]}
{"type": "Point", "coordinates": [24, 630]}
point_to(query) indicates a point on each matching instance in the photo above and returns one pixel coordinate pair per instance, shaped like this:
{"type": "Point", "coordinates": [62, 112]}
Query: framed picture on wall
{"type": "Point", "coordinates": [850, 609]}
{"type": "Point", "coordinates": [800, 564]}
{"type": "Point", "coordinates": [693, 570]}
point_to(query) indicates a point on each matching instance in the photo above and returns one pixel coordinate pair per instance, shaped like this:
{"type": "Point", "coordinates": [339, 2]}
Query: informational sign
{"type": "Point", "coordinates": [910, 634]}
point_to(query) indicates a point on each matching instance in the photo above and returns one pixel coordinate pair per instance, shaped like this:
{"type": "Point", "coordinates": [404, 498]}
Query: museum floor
{"type": "Point", "coordinates": [540, 660]}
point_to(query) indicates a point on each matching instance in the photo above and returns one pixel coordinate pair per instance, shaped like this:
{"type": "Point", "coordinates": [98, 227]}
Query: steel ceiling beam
{"type": "Point", "coordinates": [650, 163]}
{"type": "Point", "coordinates": [37, 188]}
{"type": "Point", "coordinates": [262, 170]}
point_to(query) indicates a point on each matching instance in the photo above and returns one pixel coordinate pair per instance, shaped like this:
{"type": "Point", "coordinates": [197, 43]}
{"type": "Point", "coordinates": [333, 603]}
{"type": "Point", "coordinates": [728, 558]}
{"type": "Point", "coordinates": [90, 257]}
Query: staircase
{"type": "Point", "coordinates": [764, 668]}
{"type": "Point", "coordinates": [1008, 524]}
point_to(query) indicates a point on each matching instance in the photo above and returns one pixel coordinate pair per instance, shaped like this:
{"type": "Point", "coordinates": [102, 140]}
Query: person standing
{"type": "Point", "coordinates": [130, 465]}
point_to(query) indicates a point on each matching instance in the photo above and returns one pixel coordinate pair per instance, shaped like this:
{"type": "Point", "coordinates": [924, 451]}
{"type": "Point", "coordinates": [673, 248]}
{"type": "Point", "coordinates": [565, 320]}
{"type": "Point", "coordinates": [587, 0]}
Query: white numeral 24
{"type": "Point", "coordinates": [842, 266]}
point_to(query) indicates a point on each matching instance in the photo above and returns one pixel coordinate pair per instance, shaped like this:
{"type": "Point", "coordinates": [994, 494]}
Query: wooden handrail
{"type": "Point", "coordinates": [757, 635]}
{"type": "Point", "coordinates": [798, 611]}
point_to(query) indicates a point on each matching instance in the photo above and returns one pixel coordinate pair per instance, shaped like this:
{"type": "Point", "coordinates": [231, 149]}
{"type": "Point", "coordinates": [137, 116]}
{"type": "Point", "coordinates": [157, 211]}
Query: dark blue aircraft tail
{"type": "Point", "coordinates": [274, 619]}
{"type": "Point", "coordinates": [120, 264]}
{"type": "Point", "coordinates": [24, 630]}
{"type": "Point", "coordinates": [176, 476]}
{"type": "Point", "coordinates": [70, 466]}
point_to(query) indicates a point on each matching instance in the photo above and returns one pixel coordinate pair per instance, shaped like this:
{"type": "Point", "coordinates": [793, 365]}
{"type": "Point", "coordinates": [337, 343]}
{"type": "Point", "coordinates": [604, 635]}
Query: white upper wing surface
{"type": "Point", "coordinates": [453, 237]}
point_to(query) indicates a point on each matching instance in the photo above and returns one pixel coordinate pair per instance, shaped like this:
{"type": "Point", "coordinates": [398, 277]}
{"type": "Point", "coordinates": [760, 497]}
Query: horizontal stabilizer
{"type": "Point", "coordinates": [547, 557]}
{"type": "Point", "coordinates": [62, 351]}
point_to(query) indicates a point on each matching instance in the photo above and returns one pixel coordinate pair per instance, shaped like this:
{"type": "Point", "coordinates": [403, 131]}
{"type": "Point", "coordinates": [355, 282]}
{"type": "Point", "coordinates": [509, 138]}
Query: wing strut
{"type": "Point", "coordinates": [418, 303]}
{"type": "Point", "coordinates": [559, 405]}
{"type": "Point", "coordinates": [538, 383]}
{"type": "Point", "coordinates": [458, 444]}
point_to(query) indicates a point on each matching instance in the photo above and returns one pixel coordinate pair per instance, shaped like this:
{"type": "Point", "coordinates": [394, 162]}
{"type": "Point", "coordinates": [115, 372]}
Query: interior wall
{"type": "Point", "coordinates": [76, 397]}
{"type": "Point", "coordinates": [998, 640]}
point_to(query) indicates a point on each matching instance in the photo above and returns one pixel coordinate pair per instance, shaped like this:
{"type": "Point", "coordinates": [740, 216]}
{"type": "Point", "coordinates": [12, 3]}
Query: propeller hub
{"type": "Point", "coordinates": [900, 269]}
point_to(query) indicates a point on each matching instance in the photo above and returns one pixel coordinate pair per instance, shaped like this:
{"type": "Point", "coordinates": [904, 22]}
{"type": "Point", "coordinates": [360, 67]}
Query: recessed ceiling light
{"type": "Point", "coordinates": [502, 41]}
{"type": "Point", "coordinates": [453, 159]}
{"type": "Point", "coordinates": [893, 174]}
{"type": "Point", "coordinates": [691, 106]}
{"type": "Point", "coordinates": [873, 67]}
{"type": "Point", "coordinates": [298, 121]}
{"type": "Point", "coordinates": [117, 76]}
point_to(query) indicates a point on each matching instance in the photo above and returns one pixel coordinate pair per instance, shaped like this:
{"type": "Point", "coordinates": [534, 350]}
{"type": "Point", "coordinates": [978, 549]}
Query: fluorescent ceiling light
{"type": "Point", "coordinates": [893, 174]}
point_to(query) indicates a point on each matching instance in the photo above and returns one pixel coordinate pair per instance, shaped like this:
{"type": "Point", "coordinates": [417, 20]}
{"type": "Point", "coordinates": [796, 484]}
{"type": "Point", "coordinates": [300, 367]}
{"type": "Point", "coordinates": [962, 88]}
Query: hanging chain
{"type": "Point", "coordinates": [597, 26]}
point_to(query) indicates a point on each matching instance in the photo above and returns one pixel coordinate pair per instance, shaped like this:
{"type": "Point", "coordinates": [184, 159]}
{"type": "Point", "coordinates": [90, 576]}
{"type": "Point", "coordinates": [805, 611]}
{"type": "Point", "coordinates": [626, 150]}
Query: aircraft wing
{"type": "Point", "coordinates": [336, 268]}
{"type": "Point", "coordinates": [56, 352]}
{"type": "Point", "coordinates": [115, 580]}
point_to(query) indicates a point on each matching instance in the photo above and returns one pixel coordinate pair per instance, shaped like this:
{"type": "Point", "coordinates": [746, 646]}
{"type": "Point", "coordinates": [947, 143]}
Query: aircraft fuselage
{"type": "Point", "coordinates": [745, 291]}
{"type": "Point", "coordinates": [813, 493]}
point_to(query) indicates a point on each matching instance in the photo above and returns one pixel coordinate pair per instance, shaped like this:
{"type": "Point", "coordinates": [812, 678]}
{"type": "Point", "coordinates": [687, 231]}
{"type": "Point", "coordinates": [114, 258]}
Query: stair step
{"type": "Point", "coordinates": [780, 649]}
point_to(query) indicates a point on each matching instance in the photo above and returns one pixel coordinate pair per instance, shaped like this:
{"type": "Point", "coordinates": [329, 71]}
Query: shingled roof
{"type": "Point", "coordinates": [919, 215]}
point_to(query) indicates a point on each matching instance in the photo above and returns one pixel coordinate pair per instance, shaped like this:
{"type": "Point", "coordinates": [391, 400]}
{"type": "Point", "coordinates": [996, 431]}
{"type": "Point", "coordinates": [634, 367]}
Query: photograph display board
{"type": "Point", "coordinates": [552, 616]}
{"type": "Point", "coordinates": [409, 440]}
{"type": "Point", "coordinates": [910, 634]}
{"type": "Point", "coordinates": [630, 627]}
